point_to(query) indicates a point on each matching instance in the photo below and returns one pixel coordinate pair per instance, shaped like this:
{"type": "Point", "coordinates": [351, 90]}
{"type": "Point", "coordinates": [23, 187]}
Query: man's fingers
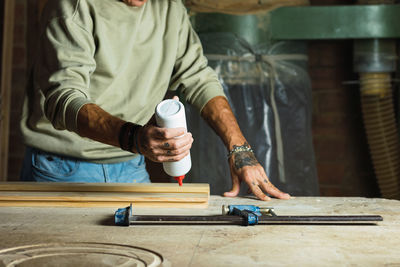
{"type": "Point", "coordinates": [235, 188]}
{"type": "Point", "coordinates": [255, 188]}
{"type": "Point", "coordinates": [180, 152]}
{"type": "Point", "coordinates": [168, 133]}
{"type": "Point", "coordinates": [176, 143]}
{"type": "Point", "coordinates": [171, 158]}
{"type": "Point", "coordinates": [268, 187]}
{"type": "Point", "coordinates": [165, 153]}
{"type": "Point", "coordinates": [164, 145]}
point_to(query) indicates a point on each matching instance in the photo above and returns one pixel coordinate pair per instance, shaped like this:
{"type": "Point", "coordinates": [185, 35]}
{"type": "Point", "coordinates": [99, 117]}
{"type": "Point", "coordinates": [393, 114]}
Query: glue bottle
{"type": "Point", "coordinates": [170, 113]}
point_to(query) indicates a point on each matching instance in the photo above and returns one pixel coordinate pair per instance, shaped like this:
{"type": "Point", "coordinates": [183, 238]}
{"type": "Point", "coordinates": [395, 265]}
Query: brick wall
{"type": "Point", "coordinates": [343, 163]}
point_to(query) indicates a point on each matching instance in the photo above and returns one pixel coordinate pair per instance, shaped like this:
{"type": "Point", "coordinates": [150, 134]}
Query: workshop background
{"type": "Point", "coordinates": [343, 162]}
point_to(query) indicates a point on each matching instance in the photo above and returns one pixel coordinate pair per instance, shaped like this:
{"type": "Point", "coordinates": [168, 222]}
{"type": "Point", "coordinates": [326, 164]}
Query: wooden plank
{"type": "Point", "coordinates": [102, 197]}
{"type": "Point", "coordinates": [106, 187]}
{"type": "Point", "coordinates": [30, 194]}
{"type": "Point", "coordinates": [5, 83]}
{"type": "Point", "coordinates": [115, 204]}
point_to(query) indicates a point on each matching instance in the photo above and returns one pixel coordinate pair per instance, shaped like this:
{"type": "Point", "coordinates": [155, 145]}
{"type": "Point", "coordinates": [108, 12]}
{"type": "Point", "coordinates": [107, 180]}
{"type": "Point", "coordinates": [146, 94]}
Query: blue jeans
{"type": "Point", "coordinates": [41, 166]}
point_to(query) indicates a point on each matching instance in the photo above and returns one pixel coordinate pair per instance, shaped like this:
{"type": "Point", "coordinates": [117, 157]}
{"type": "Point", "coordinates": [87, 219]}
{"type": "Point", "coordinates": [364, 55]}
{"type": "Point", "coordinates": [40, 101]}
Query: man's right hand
{"type": "Point", "coordinates": [162, 144]}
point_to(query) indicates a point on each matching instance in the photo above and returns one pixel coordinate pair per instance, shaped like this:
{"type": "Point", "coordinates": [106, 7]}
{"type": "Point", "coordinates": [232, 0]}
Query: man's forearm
{"type": "Point", "coordinates": [218, 114]}
{"type": "Point", "coordinates": [156, 144]}
{"type": "Point", "coordinates": [97, 124]}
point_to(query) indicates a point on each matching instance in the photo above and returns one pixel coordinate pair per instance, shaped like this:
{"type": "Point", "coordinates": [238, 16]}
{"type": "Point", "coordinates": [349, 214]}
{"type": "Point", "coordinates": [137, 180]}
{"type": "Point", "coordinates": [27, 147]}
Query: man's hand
{"type": "Point", "coordinates": [243, 164]}
{"type": "Point", "coordinates": [162, 144]}
{"type": "Point", "coordinates": [157, 144]}
{"type": "Point", "coordinates": [245, 167]}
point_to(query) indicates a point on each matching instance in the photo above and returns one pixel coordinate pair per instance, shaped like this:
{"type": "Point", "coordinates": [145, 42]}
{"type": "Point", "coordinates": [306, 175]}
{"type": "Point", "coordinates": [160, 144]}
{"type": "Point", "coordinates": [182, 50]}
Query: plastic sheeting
{"type": "Point", "coordinates": [270, 94]}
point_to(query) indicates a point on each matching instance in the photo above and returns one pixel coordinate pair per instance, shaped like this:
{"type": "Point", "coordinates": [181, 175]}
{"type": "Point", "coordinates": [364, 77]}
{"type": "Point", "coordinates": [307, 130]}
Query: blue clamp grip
{"type": "Point", "coordinates": [250, 217]}
{"type": "Point", "coordinates": [251, 208]}
{"type": "Point", "coordinates": [122, 215]}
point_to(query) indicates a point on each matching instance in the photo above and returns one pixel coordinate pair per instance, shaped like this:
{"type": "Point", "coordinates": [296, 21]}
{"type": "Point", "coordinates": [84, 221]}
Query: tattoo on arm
{"type": "Point", "coordinates": [244, 158]}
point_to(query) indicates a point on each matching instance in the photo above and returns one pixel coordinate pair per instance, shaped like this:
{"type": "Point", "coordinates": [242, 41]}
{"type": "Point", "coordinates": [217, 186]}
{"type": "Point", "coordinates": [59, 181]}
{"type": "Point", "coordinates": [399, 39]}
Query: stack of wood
{"type": "Point", "coordinates": [25, 194]}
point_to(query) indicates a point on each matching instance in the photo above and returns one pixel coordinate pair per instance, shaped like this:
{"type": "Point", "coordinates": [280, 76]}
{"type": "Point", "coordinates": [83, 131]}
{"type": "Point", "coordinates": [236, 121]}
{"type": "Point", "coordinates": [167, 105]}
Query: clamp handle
{"type": "Point", "coordinates": [122, 216]}
{"type": "Point", "coordinates": [228, 210]}
{"type": "Point", "coordinates": [250, 217]}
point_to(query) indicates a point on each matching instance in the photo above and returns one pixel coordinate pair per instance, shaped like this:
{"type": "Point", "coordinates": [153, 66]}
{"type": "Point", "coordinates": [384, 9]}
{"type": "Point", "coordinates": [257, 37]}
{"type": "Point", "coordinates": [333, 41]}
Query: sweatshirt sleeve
{"type": "Point", "coordinates": [63, 69]}
{"type": "Point", "coordinates": [197, 81]}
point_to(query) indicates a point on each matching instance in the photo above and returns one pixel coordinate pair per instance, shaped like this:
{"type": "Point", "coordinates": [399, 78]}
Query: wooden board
{"type": "Point", "coordinates": [97, 204]}
{"type": "Point", "coordinates": [106, 187]}
{"type": "Point", "coordinates": [5, 83]}
{"type": "Point", "coordinates": [95, 196]}
{"type": "Point", "coordinates": [103, 195]}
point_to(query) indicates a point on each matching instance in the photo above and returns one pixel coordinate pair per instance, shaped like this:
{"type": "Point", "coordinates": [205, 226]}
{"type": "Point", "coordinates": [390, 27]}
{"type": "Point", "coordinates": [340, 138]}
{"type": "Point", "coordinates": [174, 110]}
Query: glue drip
{"type": "Point", "coordinates": [180, 179]}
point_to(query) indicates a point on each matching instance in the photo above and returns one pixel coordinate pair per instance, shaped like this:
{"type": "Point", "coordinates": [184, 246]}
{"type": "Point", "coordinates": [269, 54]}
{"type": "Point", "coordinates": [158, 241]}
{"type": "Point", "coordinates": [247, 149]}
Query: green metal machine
{"type": "Point", "coordinates": [335, 22]}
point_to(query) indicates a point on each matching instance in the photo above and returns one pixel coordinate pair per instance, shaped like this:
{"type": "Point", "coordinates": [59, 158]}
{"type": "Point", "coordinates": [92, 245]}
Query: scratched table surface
{"type": "Point", "coordinates": [224, 245]}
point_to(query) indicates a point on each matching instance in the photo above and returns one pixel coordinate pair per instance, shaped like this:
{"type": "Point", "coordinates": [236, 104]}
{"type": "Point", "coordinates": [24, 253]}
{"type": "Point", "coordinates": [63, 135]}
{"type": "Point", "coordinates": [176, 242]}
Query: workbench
{"type": "Point", "coordinates": [222, 245]}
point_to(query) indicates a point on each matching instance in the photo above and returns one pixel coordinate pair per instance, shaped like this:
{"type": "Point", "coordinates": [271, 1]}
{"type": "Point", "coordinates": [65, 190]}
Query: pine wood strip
{"type": "Point", "coordinates": [106, 187]}
{"type": "Point", "coordinates": [98, 204]}
{"type": "Point", "coordinates": [102, 197]}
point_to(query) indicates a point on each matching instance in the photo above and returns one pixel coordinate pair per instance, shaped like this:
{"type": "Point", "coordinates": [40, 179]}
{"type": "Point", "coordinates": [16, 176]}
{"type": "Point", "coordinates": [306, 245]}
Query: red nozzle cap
{"type": "Point", "coordinates": [179, 179]}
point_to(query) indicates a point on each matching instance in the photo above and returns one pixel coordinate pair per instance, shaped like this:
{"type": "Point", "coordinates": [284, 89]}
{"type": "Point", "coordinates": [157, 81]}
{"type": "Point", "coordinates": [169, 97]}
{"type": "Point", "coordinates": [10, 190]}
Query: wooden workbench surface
{"type": "Point", "coordinates": [216, 245]}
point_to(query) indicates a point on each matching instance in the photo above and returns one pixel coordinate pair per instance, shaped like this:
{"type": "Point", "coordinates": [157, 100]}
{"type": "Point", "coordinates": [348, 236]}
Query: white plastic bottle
{"type": "Point", "coordinates": [170, 113]}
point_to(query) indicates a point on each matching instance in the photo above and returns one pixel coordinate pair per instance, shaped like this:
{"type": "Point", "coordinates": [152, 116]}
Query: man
{"type": "Point", "coordinates": [102, 67]}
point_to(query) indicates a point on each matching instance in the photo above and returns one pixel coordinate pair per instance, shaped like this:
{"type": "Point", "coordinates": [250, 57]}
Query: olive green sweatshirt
{"type": "Point", "coordinates": [122, 58]}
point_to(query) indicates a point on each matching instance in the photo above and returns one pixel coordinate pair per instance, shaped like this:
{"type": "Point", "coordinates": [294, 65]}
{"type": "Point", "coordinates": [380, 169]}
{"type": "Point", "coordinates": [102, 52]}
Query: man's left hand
{"type": "Point", "coordinates": [245, 167]}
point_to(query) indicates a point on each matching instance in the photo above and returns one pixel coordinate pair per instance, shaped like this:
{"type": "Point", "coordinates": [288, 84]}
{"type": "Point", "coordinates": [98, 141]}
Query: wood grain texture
{"type": "Point", "coordinates": [105, 187]}
{"type": "Point", "coordinates": [102, 197]}
{"type": "Point", "coordinates": [97, 204]}
{"type": "Point", "coordinates": [20, 194]}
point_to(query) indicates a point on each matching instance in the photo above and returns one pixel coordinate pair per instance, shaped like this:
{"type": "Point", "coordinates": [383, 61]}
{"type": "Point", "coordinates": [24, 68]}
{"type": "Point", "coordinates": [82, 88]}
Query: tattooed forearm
{"type": "Point", "coordinates": [244, 158]}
